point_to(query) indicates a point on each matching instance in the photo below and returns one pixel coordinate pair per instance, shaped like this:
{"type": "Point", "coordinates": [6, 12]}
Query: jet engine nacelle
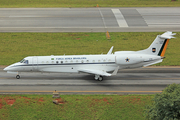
{"type": "Point", "coordinates": [128, 59]}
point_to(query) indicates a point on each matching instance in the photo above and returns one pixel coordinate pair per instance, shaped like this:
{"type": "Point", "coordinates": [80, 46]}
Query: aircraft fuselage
{"type": "Point", "coordinates": [75, 63]}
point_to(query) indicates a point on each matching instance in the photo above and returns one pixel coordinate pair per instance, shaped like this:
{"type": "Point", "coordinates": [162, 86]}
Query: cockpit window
{"type": "Point", "coordinates": [26, 61]}
{"type": "Point", "coordinates": [22, 61]}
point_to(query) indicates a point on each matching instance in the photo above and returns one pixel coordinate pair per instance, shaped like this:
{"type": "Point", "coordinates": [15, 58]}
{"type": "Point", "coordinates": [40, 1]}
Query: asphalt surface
{"type": "Point", "coordinates": [133, 81]}
{"type": "Point", "coordinates": [90, 19]}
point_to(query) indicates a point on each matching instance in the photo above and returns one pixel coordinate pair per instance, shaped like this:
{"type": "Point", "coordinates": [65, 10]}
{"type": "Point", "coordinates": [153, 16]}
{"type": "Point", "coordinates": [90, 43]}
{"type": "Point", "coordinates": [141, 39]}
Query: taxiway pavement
{"type": "Point", "coordinates": [138, 19]}
{"type": "Point", "coordinates": [133, 81]}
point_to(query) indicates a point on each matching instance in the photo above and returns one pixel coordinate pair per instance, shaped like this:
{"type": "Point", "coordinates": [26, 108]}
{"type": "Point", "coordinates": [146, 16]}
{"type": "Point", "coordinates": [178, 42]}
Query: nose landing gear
{"type": "Point", "coordinates": [17, 76]}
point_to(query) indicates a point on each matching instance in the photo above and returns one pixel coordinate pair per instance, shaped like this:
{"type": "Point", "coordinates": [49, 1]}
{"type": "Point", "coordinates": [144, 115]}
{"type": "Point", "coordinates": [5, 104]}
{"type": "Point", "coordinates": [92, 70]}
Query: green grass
{"type": "Point", "coordinates": [16, 46]}
{"type": "Point", "coordinates": [75, 107]}
{"type": "Point", "coordinates": [87, 3]}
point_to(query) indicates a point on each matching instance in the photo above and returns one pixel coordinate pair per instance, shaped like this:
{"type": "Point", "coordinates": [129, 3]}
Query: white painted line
{"type": "Point", "coordinates": [53, 27]}
{"type": "Point", "coordinates": [25, 16]}
{"type": "Point", "coordinates": [120, 18]}
{"type": "Point", "coordinates": [175, 26]}
{"type": "Point", "coordinates": [102, 18]}
{"type": "Point", "coordinates": [164, 23]}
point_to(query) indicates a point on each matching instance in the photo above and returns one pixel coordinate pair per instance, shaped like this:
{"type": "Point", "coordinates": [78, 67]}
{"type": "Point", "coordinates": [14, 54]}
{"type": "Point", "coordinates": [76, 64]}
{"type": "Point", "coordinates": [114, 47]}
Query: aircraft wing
{"type": "Point", "coordinates": [96, 72]}
{"type": "Point", "coordinates": [99, 72]}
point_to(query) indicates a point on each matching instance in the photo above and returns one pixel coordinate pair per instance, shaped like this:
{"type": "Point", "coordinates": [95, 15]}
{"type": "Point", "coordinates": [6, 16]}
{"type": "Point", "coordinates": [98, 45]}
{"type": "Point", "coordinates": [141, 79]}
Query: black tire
{"type": "Point", "coordinates": [17, 76]}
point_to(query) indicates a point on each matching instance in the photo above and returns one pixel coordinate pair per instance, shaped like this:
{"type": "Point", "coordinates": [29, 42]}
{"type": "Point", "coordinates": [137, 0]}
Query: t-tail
{"type": "Point", "coordinates": [159, 45]}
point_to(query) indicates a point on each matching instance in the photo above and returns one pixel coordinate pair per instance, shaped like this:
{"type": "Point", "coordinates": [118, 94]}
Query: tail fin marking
{"type": "Point", "coordinates": [163, 48]}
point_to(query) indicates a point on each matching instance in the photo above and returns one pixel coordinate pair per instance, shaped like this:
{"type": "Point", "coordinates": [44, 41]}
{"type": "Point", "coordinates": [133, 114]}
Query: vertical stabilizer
{"type": "Point", "coordinates": [159, 45]}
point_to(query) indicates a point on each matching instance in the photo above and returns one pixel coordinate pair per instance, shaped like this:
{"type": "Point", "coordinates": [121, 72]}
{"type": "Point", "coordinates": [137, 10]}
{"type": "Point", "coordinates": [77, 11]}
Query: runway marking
{"type": "Point", "coordinates": [120, 18]}
{"type": "Point", "coordinates": [54, 27]}
{"type": "Point", "coordinates": [102, 18]}
{"type": "Point", "coordinates": [164, 23]}
{"type": "Point", "coordinates": [84, 91]}
{"type": "Point", "coordinates": [89, 16]}
{"type": "Point", "coordinates": [24, 16]}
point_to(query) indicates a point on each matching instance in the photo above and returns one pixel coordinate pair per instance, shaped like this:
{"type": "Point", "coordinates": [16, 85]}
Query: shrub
{"type": "Point", "coordinates": [166, 106]}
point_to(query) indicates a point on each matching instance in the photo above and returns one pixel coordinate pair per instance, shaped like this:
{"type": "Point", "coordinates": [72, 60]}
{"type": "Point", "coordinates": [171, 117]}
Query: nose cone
{"type": "Point", "coordinates": [6, 68]}
{"type": "Point", "coordinates": [10, 67]}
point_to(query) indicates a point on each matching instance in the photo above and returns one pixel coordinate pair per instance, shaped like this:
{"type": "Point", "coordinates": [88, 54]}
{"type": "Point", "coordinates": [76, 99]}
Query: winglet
{"type": "Point", "coordinates": [110, 51]}
{"type": "Point", "coordinates": [115, 71]}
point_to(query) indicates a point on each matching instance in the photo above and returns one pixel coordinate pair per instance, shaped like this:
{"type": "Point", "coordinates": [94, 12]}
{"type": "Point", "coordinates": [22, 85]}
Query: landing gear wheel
{"type": "Point", "coordinates": [96, 77]}
{"type": "Point", "coordinates": [100, 78]}
{"type": "Point", "coordinates": [17, 76]}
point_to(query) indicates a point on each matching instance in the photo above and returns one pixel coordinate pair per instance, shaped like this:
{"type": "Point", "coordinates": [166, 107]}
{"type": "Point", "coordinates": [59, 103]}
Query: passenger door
{"type": "Point", "coordinates": [35, 63]}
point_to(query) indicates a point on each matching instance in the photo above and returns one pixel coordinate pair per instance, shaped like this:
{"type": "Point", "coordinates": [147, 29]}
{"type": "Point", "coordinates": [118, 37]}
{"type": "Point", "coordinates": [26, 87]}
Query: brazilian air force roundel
{"type": "Point", "coordinates": [153, 50]}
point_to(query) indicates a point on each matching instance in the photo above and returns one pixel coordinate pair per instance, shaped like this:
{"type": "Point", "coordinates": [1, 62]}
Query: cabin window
{"type": "Point", "coordinates": [57, 62]}
{"type": "Point", "coordinates": [61, 62]}
{"type": "Point", "coordinates": [47, 62]}
{"type": "Point", "coordinates": [99, 60]}
{"type": "Point", "coordinates": [71, 61]}
{"type": "Point", "coordinates": [104, 60]}
{"type": "Point", "coordinates": [109, 59]}
{"type": "Point", "coordinates": [93, 61]}
{"type": "Point", "coordinates": [77, 61]}
{"type": "Point", "coordinates": [82, 61]}
{"type": "Point", "coordinates": [87, 61]}
{"type": "Point", "coordinates": [42, 61]}
{"type": "Point", "coordinates": [52, 62]}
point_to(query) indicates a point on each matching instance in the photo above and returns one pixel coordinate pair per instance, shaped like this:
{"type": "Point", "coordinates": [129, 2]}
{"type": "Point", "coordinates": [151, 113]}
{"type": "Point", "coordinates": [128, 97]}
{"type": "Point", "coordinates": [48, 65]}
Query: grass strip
{"type": "Point", "coordinates": [74, 107]}
{"type": "Point", "coordinates": [16, 46]}
{"type": "Point", "coordinates": [87, 3]}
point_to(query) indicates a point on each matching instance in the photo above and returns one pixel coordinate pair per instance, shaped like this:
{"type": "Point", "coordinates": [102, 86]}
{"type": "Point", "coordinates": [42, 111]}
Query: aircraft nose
{"type": "Point", "coordinates": [6, 68]}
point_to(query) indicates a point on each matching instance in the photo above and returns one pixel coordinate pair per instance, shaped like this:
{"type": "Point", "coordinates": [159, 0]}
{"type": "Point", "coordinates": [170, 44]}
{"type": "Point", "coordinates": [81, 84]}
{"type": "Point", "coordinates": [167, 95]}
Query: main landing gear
{"type": "Point", "coordinates": [17, 76]}
{"type": "Point", "coordinates": [98, 77]}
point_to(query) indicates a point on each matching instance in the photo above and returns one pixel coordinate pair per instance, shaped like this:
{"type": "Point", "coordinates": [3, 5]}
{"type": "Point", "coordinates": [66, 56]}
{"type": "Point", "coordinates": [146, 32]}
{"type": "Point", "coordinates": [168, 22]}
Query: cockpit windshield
{"type": "Point", "coordinates": [24, 61]}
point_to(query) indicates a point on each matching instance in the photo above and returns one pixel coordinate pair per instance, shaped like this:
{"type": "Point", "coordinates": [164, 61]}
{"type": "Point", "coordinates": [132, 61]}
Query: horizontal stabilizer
{"type": "Point", "coordinates": [151, 63]}
{"type": "Point", "coordinates": [167, 35]}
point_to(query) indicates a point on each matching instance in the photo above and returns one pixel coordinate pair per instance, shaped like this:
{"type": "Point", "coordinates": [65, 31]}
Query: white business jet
{"type": "Point", "coordinates": [99, 65]}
